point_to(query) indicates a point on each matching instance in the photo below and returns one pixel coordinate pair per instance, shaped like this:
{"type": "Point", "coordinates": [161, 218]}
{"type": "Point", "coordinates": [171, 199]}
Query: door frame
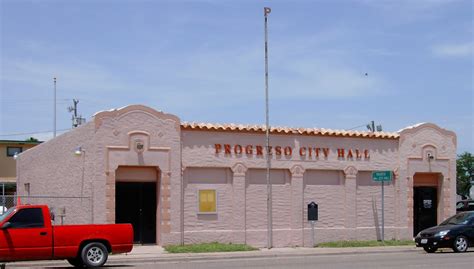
{"type": "Point", "coordinates": [428, 179]}
{"type": "Point", "coordinates": [143, 178]}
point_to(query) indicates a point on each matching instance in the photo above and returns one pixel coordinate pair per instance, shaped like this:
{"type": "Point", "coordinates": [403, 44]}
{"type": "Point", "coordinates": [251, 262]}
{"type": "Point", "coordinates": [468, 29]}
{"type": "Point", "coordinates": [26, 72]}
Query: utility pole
{"type": "Point", "coordinates": [54, 129]}
{"type": "Point", "coordinates": [76, 121]}
{"type": "Point", "coordinates": [266, 11]}
{"type": "Point", "coordinates": [371, 126]}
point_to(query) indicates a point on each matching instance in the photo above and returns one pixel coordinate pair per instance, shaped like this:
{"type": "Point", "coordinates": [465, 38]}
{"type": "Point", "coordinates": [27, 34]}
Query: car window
{"type": "Point", "coordinates": [27, 218]}
{"type": "Point", "coordinates": [459, 219]}
{"type": "Point", "coordinates": [2, 217]}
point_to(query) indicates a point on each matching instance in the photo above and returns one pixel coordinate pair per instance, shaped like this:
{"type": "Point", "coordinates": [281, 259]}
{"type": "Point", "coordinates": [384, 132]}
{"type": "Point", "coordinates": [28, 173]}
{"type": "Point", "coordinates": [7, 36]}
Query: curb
{"type": "Point", "coordinates": [259, 255]}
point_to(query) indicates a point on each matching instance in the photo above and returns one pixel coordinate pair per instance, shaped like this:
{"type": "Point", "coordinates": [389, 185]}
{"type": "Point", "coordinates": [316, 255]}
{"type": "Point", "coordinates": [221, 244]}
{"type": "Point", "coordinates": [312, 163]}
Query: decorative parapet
{"type": "Point", "coordinates": [117, 113]}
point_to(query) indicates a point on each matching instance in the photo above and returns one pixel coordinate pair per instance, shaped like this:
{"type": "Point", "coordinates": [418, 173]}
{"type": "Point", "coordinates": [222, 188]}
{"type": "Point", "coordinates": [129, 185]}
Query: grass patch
{"type": "Point", "coordinates": [208, 247]}
{"type": "Point", "coordinates": [370, 243]}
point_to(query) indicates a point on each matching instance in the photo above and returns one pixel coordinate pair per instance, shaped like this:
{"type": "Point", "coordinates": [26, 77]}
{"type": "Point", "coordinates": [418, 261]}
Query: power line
{"type": "Point", "coordinates": [370, 126]}
{"type": "Point", "coordinates": [34, 100]}
{"type": "Point", "coordinates": [356, 127]}
{"type": "Point", "coordinates": [41, 132]}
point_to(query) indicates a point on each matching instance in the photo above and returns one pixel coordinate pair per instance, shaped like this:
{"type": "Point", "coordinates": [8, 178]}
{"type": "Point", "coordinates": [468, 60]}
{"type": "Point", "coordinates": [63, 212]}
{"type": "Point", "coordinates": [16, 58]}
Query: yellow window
{"type": "Point", "coordinates": [207, 201]}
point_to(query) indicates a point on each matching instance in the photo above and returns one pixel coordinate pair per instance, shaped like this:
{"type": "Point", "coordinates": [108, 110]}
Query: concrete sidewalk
{"type": "Point", "coordinates": [156, 254]}
{"type": "Point", "coordinates": [159, 254]}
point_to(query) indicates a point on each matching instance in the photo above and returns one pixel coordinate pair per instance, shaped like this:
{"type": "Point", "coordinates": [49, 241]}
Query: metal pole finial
{"type": "Point", "coordinates": [267, 10]}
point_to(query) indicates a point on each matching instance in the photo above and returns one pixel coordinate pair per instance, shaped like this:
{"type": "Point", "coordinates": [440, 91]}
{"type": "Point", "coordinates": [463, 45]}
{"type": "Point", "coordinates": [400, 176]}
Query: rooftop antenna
{"type": "Point", "coordinates": [76, 120]}
{"type": "Point", "coordinates": [371, 127]}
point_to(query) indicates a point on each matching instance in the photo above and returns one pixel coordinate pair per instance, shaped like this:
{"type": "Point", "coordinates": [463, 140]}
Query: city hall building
{"type": "Point", "coordinates": [186, 183]}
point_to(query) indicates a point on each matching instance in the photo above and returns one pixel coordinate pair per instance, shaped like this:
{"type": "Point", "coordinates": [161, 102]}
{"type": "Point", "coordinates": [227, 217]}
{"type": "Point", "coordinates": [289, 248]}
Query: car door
{"type": "Point", "coordinates": [27, 237]}
{"type": "Point", "coordinates": [4, 250]}
{"type": "Point", "coordinates": [470, 230]}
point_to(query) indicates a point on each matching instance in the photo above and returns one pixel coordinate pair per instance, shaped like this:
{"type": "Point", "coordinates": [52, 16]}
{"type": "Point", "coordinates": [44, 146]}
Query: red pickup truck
{"type": "Point", "coordinates": [26, 233]}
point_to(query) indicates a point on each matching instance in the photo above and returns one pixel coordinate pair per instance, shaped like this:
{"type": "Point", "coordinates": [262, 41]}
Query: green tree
{"type": "Point", "coordinates": [465, 173]}
{"type": "Point", "coordinates": [32, 139]}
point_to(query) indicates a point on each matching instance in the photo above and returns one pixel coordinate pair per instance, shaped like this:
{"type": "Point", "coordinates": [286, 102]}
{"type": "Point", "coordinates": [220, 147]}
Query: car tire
{"type": "Point", "coordinates": [460, 244]}
{"type": "Point", "coordinates": [76, 262]}
{"type": "Point", "coordinates": [94, 254]}
{"type": "Point", "coordinates": [430, 249]}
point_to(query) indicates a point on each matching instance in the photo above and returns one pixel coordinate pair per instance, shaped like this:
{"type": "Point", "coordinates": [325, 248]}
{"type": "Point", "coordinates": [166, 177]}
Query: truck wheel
{"type": "Point", "coordinates": [76, 262]}
{"type": "Point", "coordinates": [430, 249]}
{"type": "Point", "coordinates": [460, 244]}
{"type": "Point", "coordinates": [94, 254]}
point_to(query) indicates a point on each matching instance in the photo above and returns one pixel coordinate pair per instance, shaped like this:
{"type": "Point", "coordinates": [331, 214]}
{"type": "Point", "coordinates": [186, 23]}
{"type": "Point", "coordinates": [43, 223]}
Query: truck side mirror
{"type": "Point", "coordinates": [6, 225]}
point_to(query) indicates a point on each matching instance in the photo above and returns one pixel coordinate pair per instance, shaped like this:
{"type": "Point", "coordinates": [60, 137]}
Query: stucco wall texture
{"type": "Point", "coordinates": [188, 160]}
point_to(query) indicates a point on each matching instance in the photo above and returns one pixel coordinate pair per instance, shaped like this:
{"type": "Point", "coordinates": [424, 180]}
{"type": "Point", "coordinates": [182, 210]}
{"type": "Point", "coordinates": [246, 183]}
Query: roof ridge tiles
{"type": "Point", "coordinates": [286, 130]}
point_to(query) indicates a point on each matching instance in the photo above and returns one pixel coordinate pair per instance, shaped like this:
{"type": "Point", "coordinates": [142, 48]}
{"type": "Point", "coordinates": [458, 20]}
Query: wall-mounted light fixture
{"type": "Point", "coordinates": [78, 151]}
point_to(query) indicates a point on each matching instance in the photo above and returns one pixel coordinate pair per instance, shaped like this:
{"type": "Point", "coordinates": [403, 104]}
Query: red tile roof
{"type": "Point", "coordinates": [284, 130]}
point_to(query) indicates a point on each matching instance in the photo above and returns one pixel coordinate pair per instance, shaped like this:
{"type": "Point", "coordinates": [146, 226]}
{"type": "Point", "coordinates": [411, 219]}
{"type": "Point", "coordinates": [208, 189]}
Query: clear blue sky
{"type": "Point", "coordinates": [204, 61]}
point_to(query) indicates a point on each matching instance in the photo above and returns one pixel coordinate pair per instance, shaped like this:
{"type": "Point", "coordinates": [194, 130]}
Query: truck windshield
{"type": "Point", "coordinates": [6, 213]}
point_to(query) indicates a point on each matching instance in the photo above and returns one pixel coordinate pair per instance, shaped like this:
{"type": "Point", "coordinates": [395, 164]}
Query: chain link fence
{"type": "Point", "coordinates": [64, 209]}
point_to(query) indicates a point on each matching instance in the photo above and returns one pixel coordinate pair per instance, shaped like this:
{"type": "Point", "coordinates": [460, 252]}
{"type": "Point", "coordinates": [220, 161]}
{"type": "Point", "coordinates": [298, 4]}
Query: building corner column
{"type": "Point", "coordinates": [164, 210]}
{"type": "Point", "coordinates": [410, 204]}
{"type": "Point", "coordinates": [110, 197]}
{"type": "Point", "coordinates": [297, 205]}
{"type": "Point", "coordinates": [396, 201]}
{"type": "Point", "coordinates": [238, 208]}
{"type": "Point", "coordinates": [350, 189]}
{"type": "Point", "coordinates": [445, 193]}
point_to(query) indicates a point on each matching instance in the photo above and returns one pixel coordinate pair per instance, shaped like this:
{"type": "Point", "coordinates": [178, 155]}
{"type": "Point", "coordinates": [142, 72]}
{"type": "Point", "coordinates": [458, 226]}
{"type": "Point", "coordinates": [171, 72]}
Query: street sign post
{"type": "Point", "coordinates": [382, 176]}
{"type": "Point", "coordinates": [312, 217]}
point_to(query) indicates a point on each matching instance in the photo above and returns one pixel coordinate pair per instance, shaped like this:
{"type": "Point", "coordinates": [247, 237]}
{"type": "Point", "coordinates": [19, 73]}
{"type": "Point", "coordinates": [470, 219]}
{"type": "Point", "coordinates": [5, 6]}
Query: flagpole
{"type": "Point", "coordinates": [267, 11]}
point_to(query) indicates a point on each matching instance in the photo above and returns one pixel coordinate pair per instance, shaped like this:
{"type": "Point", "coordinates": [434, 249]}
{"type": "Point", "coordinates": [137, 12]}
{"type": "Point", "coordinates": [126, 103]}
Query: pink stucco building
{"type": "Point", "coordinates": [184, 182]}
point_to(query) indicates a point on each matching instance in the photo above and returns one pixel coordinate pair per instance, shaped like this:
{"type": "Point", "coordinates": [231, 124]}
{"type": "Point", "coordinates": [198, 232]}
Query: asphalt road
{"type": "Point", "coordinates": [386, 260]}
{"type": "Point", "coordinates": [405, 260]}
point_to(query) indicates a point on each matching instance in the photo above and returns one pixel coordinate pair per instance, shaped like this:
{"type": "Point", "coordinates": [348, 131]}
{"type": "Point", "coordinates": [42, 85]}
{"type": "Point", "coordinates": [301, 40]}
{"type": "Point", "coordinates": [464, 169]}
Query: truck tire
{"type": "Point", "coordinates": [94, 254]}
{"type": "Point", "coordinates": [76, 262]}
